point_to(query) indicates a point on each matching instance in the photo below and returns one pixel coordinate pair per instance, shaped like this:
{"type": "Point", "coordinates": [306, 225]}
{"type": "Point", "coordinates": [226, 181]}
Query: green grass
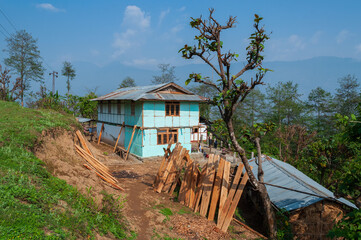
{"type": "Point", "coordinates": [33, 203]}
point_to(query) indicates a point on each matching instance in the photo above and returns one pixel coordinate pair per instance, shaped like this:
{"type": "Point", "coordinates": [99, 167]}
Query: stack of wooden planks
{"type": "Point", "coordinates": [207, 190]}
{"type": "Point", "coordinates": [94, 164]}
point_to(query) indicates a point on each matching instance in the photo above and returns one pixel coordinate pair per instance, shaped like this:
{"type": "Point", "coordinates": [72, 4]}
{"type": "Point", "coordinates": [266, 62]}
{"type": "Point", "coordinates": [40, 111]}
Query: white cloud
{"type": "Point", "coordinates": [296, 42]}
{"type": "Point", "coordinates": [342, 36]}
{"type": "Point", "coordinates": [182, 9]}
{"type": "Point", "coordinates": [134, 17]}
{"type": "Point", "coordinates": [142, 62]}
{"type": "Point", "coordinates": [136, 24]}
{"type": "Point", "coordinates": [49, 7]}
{"type": "Point", "coordinates": [316, 37]}
{"type": "Point", "coordinates": [162, 15]}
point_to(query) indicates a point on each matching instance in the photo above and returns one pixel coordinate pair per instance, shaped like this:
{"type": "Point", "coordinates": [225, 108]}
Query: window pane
{"type": "Point", "coordinates": [159, 139]}
{"type": "Point", "coordinates": [172, 109]}
{"type": "Point", "coordinates": [167, 109]}
{"type": "Point", "coordinates": [164, 138]}
{"type": "Point", "coordinates": [175, 137]}
{"type": "Point", "coordinates": [177, 109]}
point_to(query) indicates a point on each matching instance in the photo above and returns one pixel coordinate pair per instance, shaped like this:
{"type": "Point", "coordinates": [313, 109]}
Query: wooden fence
{"type": "Point", "coordinates": [208, 190]}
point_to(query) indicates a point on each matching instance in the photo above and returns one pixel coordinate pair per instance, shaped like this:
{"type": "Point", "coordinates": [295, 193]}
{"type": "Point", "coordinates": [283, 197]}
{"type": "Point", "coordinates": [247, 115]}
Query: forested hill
{"type": "Point", "coordinates": [309, 74]}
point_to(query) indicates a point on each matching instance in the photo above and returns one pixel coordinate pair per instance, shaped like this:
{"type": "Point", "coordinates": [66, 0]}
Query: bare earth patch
{"type": "Point", "coordinates": [150, 214]}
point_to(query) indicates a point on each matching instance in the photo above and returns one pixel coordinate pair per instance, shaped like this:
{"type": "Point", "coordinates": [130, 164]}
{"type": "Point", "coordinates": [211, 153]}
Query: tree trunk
{"type": "Point", "coordinates": [270, 219]}
{"type": "Point", "coordinates": [260, 188]}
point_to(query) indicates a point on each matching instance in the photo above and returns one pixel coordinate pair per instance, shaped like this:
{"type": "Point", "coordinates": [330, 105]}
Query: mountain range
{"type": "Point", "coordinates": [308, 74]}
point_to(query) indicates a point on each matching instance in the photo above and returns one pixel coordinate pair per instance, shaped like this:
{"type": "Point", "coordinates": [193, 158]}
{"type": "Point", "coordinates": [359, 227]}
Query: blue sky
{"type": "Point", "coordinates": [143, 34]}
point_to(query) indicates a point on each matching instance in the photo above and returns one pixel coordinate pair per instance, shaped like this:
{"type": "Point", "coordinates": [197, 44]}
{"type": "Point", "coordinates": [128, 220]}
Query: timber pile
{"type": "Point", "coordinates": [208, 191]}
{"type": "Point", "coordinates": [94, 164]}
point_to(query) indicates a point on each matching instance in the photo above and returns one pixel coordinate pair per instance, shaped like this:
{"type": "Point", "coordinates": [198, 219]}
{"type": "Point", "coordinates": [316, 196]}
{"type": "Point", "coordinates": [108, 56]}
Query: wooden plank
{"type": "Point", "coordinates": [102, 177]}
{"type": "Point", "coordinates": [188, 184]}
{"type": "Point", "coordinates": [96, 161]}
{"type": "Point", "coordinates": [166, 171]}
{"type": "Point", "coordinates": [101, 132]}
{"type": "Point", "coordinates": [230, 196]}
{"type": "Point", "coordinates": [224, 188]}
{"type": "Point", "coordinates": [83, 142]}
{"type": "Point", "coordinates": [249, 228]}
{"type": "Point", "coordinates": [193, 185]}
{"type": "Point", "coordinates": [207, 188]}
{"type": "Point", "coordinates": [183, 188]}
{"type": "Point", "coordinates": [170, 179]}
{"type": "Point", "coordinates": [116, 143]}
{"type": "Point", "coordinates": [130, 143]}
{"type": "Point", "coordinates": [216, 190]}
{"type": "Point", "coordinates": [199, 189]}
{"type": "Point", "coordinates": [234, 204]}
{"type": "Point", "coordinates": [179, 168]}
{"type": "Point", "coordinates": [163, 165]}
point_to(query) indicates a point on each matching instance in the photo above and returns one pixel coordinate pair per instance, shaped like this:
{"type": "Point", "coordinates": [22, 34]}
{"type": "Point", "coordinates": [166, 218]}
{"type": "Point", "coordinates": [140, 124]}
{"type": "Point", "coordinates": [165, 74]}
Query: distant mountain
{"type": "Point", "coordinates": [309, 74]}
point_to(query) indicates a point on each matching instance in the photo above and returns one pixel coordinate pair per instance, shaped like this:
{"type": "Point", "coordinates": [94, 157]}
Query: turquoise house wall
{"type": "Point", "coordinates": [147, 115]}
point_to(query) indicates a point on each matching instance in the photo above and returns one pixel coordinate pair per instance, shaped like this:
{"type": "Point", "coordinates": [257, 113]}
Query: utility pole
{"type": "Point", "coordinates": [55, 75]}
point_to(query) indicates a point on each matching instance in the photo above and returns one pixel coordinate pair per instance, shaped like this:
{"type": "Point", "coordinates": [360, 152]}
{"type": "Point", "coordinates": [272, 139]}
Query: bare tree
{"type": "Point", "coordinates": [8, 93]}
{"type": "Point", "coordinates": [168, 74]}
{"type": "Point", "coordinates": [231, 89]}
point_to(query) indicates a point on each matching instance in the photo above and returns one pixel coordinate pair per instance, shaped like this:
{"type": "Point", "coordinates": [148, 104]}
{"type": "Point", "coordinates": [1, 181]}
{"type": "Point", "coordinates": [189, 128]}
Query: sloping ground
{"type": "Point", "coordinates": [33, 203]}
{"type": "Point", "coordinates": [159, 216]}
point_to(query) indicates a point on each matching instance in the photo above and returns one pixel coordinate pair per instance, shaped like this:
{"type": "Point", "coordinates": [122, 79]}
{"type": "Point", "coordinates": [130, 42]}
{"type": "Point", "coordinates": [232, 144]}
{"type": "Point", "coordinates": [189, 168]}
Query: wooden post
{"type": "Point", "coordinates": [130, 143]}
{"type": "Point", "coordinates": [116, 143]}
{"type": "Point", "coordinates": [216, 190]}
{"type": "Point", "coordinates": [100, 134]}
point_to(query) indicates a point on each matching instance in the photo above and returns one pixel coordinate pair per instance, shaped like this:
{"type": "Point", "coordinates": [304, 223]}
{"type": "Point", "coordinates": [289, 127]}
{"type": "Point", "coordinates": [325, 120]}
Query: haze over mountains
{"type": "Point", "coordinates": [309, 74]}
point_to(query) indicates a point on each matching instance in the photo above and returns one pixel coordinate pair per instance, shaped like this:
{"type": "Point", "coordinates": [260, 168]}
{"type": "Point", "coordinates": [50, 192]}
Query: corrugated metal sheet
{"type": "Point", "coordinates": [150, 93]}
{"type": "Point", "coordinates": [282, 174]}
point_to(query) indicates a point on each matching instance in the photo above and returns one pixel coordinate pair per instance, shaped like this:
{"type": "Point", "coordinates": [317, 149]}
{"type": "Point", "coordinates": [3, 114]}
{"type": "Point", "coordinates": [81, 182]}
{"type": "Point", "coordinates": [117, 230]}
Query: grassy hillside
{"type": "Point", "coordinates": [33, 203]}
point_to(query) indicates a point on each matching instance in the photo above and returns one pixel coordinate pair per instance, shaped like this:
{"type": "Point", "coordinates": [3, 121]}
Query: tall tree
{"type": "Point", "coordinates": [69, 72]}
{"type": "Point", "coordinates": [347, 95]}
{"type": "Point", "coordinates": [168, 74]}
{"type": "Point", "coordinates": [127, 82]}
{"type": "Point", "coordinates": [321, 105]}
{"type": "Point", "coordinates": [231, 89]}
{"type": "Point", "coordinates": [253, 108]}
{"type": "Point", "coordinates": [24, 59]}
{"type": "Point", "coordinates": [286, 106]}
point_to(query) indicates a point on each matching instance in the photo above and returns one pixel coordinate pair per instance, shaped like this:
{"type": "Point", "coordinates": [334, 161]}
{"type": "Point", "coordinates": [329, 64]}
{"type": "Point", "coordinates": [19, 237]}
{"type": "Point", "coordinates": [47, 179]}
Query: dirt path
{"type": "Point", "coordinates": [158, 216]}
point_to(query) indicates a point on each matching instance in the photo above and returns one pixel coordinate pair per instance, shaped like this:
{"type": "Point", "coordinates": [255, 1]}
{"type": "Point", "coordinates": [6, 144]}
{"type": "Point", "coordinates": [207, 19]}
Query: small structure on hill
{"type": "Point", "coordinates": [312, 208]}
{"type": "Point", "coordinates": [150, 115]}
{"type": "Point", "coordinates": [199, 133]}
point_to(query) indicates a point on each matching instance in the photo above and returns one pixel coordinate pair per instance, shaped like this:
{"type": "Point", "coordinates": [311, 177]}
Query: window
{"type": "Point", "coordinates": [172, 108]}
{"type": "Point", "coordinates": [132, 108]}
{"type": "Point", "coordinates": [195, 130]}
{"type": "Point", "coordinates": [165, 135]}
{"type": "Point", "coordinates": [109, 107]}
{"type": "Point", "coordinates": [119, 107]}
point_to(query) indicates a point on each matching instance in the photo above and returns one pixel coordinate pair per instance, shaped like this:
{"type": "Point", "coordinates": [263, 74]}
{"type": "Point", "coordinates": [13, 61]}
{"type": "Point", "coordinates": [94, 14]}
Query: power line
{"type": "Point", "coordinates": [8, 19]}
{"type": "Point", "coordinates": [5, 30]}
{"type": "Point", "coordinates": [3, 34]}
{"type": "Point", "coordinates": [11, 36]}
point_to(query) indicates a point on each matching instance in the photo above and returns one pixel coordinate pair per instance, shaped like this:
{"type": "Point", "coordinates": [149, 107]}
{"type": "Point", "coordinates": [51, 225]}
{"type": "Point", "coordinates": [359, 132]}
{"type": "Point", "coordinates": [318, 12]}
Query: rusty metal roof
{"type": "Point", "coordinates": [282, 174]}
{"type": "Point", "coordinates": [152, 93]}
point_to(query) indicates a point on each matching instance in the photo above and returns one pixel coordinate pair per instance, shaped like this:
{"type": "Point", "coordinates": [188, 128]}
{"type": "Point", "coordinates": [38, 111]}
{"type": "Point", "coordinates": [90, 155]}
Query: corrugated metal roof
{"type": "Point", "coordinates": [282, 174]}
{"type": "Point", "coordinates": [151, 93]}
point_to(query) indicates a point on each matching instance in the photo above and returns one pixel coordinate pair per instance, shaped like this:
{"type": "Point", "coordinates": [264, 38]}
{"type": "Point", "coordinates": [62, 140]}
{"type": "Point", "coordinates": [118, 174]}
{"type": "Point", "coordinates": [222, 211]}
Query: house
{"type": "Point", "coordinates": [158, 112]}
{"type": "Point", "coordinates": [312, 209]}
{"type": "Point", "coordinates": [199, 133]}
